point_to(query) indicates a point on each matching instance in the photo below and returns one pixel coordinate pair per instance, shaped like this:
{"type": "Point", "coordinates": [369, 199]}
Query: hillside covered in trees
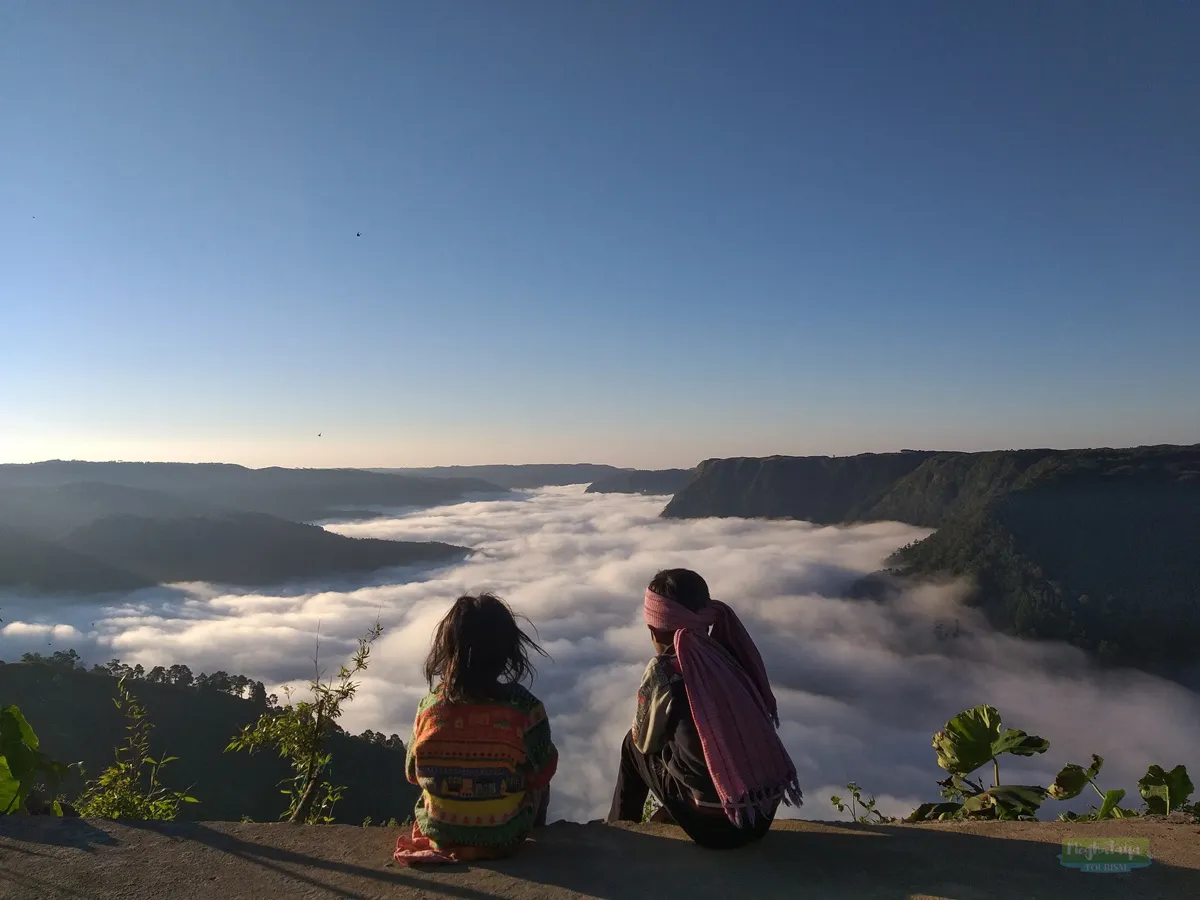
{"type": "Point", "coordinates": [529, 475]}
{"type": "Point", "coordinates": [193, 717]}
{"type": "Point", "coordinates": [1100, 548]}
{"type": "Point", "coordinates": [643, 481]}
{"type": "Point", "coordinates": [89, 527]}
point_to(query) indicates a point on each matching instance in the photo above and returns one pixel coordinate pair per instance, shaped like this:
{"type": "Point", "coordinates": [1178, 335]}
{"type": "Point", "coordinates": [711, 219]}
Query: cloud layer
{"type": "Point", "coordinates": [861, 686]}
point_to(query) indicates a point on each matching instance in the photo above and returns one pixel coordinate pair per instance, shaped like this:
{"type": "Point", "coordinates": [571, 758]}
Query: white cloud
{"type": "Point", "coordinates": [861, 686]}
{"type": "Point", "coordinates": [39, 631]}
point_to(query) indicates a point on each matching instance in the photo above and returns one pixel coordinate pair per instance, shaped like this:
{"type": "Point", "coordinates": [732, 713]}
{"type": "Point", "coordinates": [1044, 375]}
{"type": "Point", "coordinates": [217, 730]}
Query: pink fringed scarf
{"type": "Point", "coordinates": [732, 705]}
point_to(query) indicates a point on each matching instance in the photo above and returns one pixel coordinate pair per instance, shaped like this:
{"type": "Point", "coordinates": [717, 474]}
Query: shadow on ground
{"type": "Point", "coordinates": [73, 858]}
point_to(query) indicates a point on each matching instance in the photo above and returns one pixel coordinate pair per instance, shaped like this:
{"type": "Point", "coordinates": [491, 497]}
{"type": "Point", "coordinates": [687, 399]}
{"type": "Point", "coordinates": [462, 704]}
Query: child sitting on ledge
{"type": "Point", "coordinates": [481, 749]}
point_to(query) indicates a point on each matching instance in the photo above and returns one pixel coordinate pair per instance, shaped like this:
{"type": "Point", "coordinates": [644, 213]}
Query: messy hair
{"type": "Point", "coordinates": [478, 648]}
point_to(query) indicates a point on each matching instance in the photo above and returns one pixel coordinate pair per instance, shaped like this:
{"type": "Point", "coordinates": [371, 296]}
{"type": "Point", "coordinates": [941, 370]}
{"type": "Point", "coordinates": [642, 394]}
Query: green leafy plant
{"type": "Point", "coordinates": [298, 733]}
{"type": "Point", "coordinates": [23, 764]}
{"type": "Point", "coordinates": [854, 802]}
{"type": "Point", "coordinates": [1069, 784]}
{"type": "Point", "coordinates": [650, 807]}
{"type": "Point", "coordinates": [1164, 791]}
{"type": "Point", "coordinates": [968, 742]}
{"type": "Point", "coordinates": [130, 788]}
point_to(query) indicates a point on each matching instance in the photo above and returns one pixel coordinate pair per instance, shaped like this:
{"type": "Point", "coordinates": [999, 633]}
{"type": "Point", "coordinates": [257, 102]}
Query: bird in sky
{"type": "Point", "coordinates": [359, 234]}
{"type": "Point", "coordinates": [318, 434]}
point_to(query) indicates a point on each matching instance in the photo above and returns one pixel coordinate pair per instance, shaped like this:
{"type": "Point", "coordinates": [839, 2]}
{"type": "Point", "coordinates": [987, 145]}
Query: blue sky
{"type": "Point", "coordinates": [639, 233]}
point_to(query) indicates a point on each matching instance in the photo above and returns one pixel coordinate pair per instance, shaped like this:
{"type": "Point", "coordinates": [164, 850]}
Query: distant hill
{"type": "Point", "coordinates": [93, 527]}
{"type": "Point", "coordinates": [54, 511]}
{"type": "Point", "coordinates": [74, 718]}
{"type": "Point", "coordinates": [642, 481]}
{"type": "Point", "coordinates": [519, 476]}
{"type": "Point", "coordinates": [297, 494]}
{"type": "Point", "coordinates": [34, 562]}
{"type": "Point", "coordinates": [240, 548]}
{"type": "Point", "coordinates": [1100, 548]}
{"type": "Point", "coordinates": [819, 489]}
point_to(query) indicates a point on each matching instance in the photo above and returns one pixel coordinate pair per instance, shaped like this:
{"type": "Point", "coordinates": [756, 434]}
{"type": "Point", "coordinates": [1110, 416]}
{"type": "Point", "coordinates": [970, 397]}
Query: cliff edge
{"type": "Point", "coordinates": [45, 857]}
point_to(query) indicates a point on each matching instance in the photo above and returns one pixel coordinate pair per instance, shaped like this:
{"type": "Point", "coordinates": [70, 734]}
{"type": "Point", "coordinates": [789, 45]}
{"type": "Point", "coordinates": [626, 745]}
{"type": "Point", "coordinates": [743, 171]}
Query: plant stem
{"type": "Point", "coordinates": [300, 814]}
{"type": "Point", "coordinates": [995, 772]}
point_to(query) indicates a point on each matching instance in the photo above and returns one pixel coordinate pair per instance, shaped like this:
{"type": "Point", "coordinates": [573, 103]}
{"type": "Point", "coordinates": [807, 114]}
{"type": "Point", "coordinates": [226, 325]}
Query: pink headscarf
{"type": "Point", "coordinates": [732, 704]}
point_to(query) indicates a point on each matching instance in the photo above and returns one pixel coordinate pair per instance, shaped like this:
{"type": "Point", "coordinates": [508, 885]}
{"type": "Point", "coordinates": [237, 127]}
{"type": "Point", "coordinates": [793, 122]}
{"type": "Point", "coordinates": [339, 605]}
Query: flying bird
{"type": "Point", "coordinates": [359, 234]}
{"type": "Point", "coordinates": [318, 434]}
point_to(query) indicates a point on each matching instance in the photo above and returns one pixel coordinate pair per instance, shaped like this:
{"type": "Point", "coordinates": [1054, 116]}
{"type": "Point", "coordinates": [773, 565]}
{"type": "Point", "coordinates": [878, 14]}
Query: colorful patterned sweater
{"type": "Point", "coordinates": [479, 767]}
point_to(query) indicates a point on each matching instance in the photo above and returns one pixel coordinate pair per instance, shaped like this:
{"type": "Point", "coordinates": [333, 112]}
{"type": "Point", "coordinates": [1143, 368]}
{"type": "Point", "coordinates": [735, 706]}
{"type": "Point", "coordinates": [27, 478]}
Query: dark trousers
{"type": "Point", "coordinates": [642, 773]}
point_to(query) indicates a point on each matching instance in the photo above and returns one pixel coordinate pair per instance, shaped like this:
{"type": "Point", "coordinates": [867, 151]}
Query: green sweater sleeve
{"type": "Point", "coordinates": [541, 756]}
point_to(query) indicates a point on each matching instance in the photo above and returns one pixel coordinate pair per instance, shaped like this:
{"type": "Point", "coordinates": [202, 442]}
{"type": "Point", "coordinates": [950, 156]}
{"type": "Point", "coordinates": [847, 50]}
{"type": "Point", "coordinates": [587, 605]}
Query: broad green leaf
{"type": "Point", "coordinates": [1069, 782]}
{"type": "Point", "coordinates": [1006, 801]}
{"type": "Point", "coordinates": [10, 789]}
{"type": "Point", "coordinates": [974, 737]}
{"type": "Point", "coordinates": [932, 812]}
{"type": "Point", "coordinates": [1164, 791]}
{"type": "Point", "coordinates": [1018, 743]}
{"type": "Point", "coordinates": [1094, 769]}
{"type": "Point", "coordinates": [14, 727]}
{"type": "Point", "coordinates": [1157, 797]}
{"type": "Point", "coordinates": [1109, 807]}
{"type": "Point", "coordinates": [965, 743]}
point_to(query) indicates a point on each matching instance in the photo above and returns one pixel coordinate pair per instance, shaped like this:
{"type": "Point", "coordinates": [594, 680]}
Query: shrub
{"type": "Point", "coordinates": [298, 734]}
{"type": "Point", "coordinates": [130, 787]}
{"type": "Point", "coordinates": [23, 764]}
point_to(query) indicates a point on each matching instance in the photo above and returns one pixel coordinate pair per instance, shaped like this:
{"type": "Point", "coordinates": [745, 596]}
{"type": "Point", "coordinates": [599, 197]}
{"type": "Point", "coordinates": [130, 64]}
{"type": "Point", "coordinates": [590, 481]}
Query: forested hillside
{"type": "Point", "coordinates": [92, 527]}
{"type": "Point", "coordinates": [643, 481]}
{"type": "Point", "coordinates": [530, 475]}
{"type": "Point", "coordinates": [194, 716]}
{"type": "Point", "coordinates": [1100, 548]}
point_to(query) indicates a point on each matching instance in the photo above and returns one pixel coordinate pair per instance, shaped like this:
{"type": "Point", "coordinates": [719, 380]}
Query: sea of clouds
{"type": "Point", "coordinates": [862, 686]}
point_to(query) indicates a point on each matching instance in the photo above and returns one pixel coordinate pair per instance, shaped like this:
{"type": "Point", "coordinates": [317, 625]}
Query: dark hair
{"type": "Point", "coordinates": [683, 586]}
{"type": "Point", "coordinates": [477, 644]}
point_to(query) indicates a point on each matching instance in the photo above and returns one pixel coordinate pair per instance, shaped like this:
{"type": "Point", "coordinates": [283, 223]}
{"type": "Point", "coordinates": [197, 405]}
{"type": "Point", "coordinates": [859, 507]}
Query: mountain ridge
{"type": "Point", "coordinates": [85, 527]}
{"type": "Point", "coordinates": [1099, 548]}
{"type": "Point", "coordinates": [643, 481]}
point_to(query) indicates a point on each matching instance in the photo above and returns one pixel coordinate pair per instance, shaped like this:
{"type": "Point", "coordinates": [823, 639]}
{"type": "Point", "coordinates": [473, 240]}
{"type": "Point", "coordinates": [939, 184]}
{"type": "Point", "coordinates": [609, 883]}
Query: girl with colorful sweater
{"type": "Point", "coordinates": [481, 750]}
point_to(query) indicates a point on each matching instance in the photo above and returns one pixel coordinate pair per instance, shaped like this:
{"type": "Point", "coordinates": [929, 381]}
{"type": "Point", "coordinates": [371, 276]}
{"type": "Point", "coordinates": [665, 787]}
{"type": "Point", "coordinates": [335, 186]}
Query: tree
{"type": "Point", "coordinates": [181, 675]}
{"type": "Point", "coordinates": [157, 675]}
{"type": "Point", "coordinates": [217, 681]}
{"type": "Point", "coordinates": [258, 694]}
{"type": "Point", "coordinates": [68, 660]}
{"type": "Point", "coordinates": [62, 660]}
{"type": "Point", "coordinates": [117, 669]}
{"type": "Point", "coordinates": [238, 684]}
{"type": "Point", "coordinates": [298, 734]}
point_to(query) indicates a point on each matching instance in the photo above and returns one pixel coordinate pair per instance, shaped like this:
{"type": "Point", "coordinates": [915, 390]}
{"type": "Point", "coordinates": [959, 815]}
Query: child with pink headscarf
{"type": "Point", "coordinates": [704, 735]}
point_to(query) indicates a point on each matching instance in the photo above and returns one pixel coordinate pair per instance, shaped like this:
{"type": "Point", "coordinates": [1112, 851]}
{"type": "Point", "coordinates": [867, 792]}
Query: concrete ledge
{"type": "Point", "coordinates": [42, 857]}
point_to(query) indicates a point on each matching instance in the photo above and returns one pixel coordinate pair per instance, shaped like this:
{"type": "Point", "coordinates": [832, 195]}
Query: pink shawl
{"type": "Point", "coordinates": [732, 704]}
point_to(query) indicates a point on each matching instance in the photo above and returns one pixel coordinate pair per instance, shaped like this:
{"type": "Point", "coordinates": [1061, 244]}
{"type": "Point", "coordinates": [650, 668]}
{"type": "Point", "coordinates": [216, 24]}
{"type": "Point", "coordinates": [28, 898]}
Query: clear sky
{"type": "Point", "coordinates": [643, 233]}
